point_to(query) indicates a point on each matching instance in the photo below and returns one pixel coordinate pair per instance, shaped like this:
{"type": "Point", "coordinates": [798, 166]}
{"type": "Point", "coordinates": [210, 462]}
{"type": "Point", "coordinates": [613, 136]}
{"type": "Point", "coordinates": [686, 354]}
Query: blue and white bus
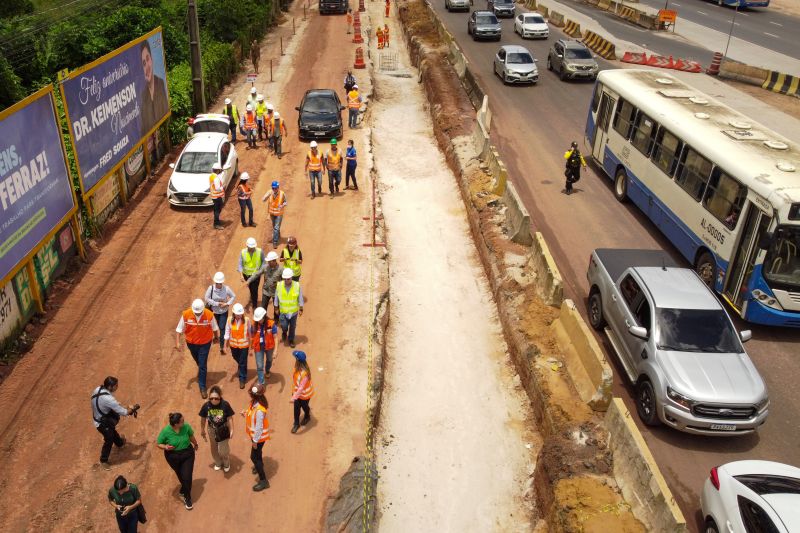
{"type": "Point", "coordinates": [724, 189]}
{"type": "Point", "coordinates": [743, 3]}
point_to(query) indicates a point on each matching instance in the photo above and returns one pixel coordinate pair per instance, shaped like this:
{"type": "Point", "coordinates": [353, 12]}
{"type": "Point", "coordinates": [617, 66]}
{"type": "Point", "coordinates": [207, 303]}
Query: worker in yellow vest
{"type": "Point", "coordinates": [333, 165]}
{"type": "Point", "coordinates": [261, 110]}
{"type": "Point", "coordinates": [217, 193]}
{"type": "Point", "coordinates": [289, 302]}
{"type": "Point", "coordinates": [250, 125]}
{"type": "Point", "coordinates": [250, 260]}
{"type": "Point", "coordinates": [292, 258]}
{"type": "Point", "coordinates": [353, 105]}
{"type": "Point", "coordinates": [198, 327]}
{"type": "Point", "coordinates": [314, 168]}
{"type": "Point", "coordinates": [237, 337]}
{"type": "Point", "coordinates": [302, 390]}
{"type": "Point", "coordinates": [276, 203]}
{"type": "Point", "coordinates": [233, 117]}
{"type": "Point", "coordinates": [256, 425]}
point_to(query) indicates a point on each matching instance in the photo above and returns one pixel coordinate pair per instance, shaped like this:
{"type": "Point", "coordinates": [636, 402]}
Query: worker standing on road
{"type": "Point", "coordinates": [353, 105]}
{"type": "Point", "coordinates": [244, 194]}
{"type": "Point", "coordinates": [256, 424]}
{"type": "Point", "coordinates": [379, 35]}
{"type": "Point", "coordinates": [199, 328]}
{"type": "Point", "coordinates": [289, 302]}
{"type": "Point", "coordinates": [276, 204]}
{"type": "Point", "coordinates": [267, 125]}
{"type": "Point", "coordinates": [218, 413]}
{"type": "Point", "coordinates": [261, 110]}
{"type": "Point", "coordinates": [352, 163]}
{"type": "Point", "coordinates": [250, 260]}
{"type": "Point", "coordinates": [233, 117]}
{"type": "Point", "coordinates": [388, 7]}
{"type": "Point", "coordinates": [349, 20]}
{"type": "Point", "coordinates": [302, 390]}
{"type": "Point", "coordinates": [106, 413]}
{"type": "Point", "coordinates": [574, 163]}
{"type": "Point", "coordinates": [349, 81]}
{"type": "Point", "coordinates": [386, 35]}
{"type": "Point", "coordinates": [262, 335]}
{"type": "Point", "coordinates": [217, 193]}
{"type": "Point", "coordinates": [252, 98]}
{"type": "Point", "coordinates": [314, 168]}
{"type": "Point", "coordinates": [219, 297]}
{"type": "Point", "coordinates": [292, 258]}
{"type": "Point", "coordinates": [178, 442]}
{"type": "Point", "coordinates": [333, 165]}
{"type": "Point", "coordinates": [277, 131]}
{"type": "Point", "coordinates": [250, 125]}
{"type": "Point", "coordinates": [272, 275]}
{"type": "Point", "coordinates": [255, 55]}
{"type": "Point", "coordinates": [237, 337]}
{"type": "Point", "coordinates": [126, 500]}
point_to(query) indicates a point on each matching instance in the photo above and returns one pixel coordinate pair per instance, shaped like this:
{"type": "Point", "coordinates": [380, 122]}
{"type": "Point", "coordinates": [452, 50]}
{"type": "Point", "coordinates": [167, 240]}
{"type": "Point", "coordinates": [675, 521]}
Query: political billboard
{"type": "Point", "coordinates": [113, 103]}
{"type": "Point", "coordinates": [35, 190]}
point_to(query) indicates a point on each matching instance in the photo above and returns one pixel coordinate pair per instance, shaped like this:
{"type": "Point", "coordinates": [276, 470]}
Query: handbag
{"type": "Point", "coordinates": [142, 515]}
{"type": "Point", "coordinates": [222, 433]}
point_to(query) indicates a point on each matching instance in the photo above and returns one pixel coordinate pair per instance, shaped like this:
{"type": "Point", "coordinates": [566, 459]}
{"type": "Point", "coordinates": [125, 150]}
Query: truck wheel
{"type": "Point", "coordinates": [646, 405]}
{"type": "Point", "coordinates": [621, 186]}
{"type": "Point", "coordinates": [596, 318]}
{"type": "Point", "coordinates": [706, 268]}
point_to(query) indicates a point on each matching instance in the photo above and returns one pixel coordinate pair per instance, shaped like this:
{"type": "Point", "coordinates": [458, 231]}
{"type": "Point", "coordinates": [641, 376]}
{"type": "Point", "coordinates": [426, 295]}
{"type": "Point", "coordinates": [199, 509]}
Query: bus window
{"type": "Point", "coordinates": [693, 173]}
{"type": "Point", "coordinates": [624, 117]}
{"type": "Point", "coordinates": [666, 151]}
{"type": "Point", "coordinates": [643, 131]}
{"type": "Point", "coordinates": [598, 92]}
{"type": "Point", "coordinates": [725, 198]}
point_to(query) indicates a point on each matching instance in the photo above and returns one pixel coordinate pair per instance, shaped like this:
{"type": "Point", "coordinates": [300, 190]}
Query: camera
{"type": "Point", "coordinates": [135, 410]}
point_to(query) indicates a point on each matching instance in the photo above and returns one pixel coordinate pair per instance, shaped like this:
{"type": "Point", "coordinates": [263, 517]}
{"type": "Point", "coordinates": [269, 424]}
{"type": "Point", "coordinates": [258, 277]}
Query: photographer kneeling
{"type": "Point", "coordinates": [106, 412]}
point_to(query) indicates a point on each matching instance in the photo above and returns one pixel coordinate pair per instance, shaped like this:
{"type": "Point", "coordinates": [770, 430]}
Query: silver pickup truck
{"type": "Point", "coordinates": [676, 343]}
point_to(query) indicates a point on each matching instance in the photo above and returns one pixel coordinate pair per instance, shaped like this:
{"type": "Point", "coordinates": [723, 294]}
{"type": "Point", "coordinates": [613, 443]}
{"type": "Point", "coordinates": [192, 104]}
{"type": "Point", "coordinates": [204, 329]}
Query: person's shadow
{"type": "Point", "coordinates": [276, 379]}
{"type": "Point", "coordinates": [131, 452]}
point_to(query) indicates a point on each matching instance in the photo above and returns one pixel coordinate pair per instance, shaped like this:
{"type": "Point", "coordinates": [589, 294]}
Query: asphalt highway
{"type": "Point", "coordinates": [532, 127]}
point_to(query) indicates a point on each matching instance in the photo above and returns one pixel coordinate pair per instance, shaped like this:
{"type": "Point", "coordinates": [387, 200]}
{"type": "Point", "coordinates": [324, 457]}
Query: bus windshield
{"type": "Point", "coordinates": [782, 263]}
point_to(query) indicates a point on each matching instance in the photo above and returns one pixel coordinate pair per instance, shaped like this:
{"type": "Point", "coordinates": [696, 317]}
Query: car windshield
{"type": "Point", "coordinates": [503, 2]}
{"type": "Point", "coordinates": [319, 105]}
{"type": "Point", "coordinates": [782, 262]}
{"type": "Point", "coordinates": [210, 126]}
{"type": "Point", "coordinates": [533, 19]}
{"type": "Point", "coordinates": [578, 53]}
{"type": "Point", "coordinates": [487, 19]}
{"type": "Point", "coordinates": [519, 58]}
{"type": "Point", "coordinates": [196, 162]}
{"type": "Point", "coordinates": [697, 330]}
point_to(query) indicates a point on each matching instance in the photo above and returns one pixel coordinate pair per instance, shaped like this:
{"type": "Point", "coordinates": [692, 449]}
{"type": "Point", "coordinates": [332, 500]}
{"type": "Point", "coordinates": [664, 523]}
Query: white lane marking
{"type": "Point", "coordinates": [703, 13]}
{"type": "Point", "coordinates": [776, 23]}
{"type": "Point", "coordinates": [771, 35]}
{"type": "Point", "coordinates": [676, 4]}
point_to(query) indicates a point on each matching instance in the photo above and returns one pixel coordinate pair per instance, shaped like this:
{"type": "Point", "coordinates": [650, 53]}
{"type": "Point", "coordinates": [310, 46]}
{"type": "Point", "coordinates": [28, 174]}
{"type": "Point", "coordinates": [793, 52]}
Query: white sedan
{"type": "Point", "coordinates": [531, 25]}
{"type": "Point", "coordinates": [189, 185]}
{"type": "Point", "coordinates": [752, 497]}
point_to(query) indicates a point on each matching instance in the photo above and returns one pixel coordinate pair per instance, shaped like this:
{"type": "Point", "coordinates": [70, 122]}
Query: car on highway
{"type": "Point", "coordinates": [515, 64]}
{"type": "Point", "coordinates": [676, 343]}
{"type": "Point", "coordinates": [320, 115]}
{"type": "Point", "coordinates": [188, 185]}
{"type": "Point", "coordinates": [456, 5]}
{"type": "Point", "coordinates": [572, 59]}
{"type": "Point", "coordinates": [531, 26]}
{"type": "Point", "coordinates": [752, 497]}
{"type": "Point", "coordinates": [501, 8]}
{"type": "Point", "coordinates": [484, 25]}
{"type": "Point", "coordinates": [333, 6]}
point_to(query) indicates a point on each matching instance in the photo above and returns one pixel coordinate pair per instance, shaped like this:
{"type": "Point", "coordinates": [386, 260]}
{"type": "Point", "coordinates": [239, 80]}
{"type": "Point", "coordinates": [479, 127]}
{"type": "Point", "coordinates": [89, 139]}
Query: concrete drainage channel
{"type": "Point", "coordinates": [594, 471]}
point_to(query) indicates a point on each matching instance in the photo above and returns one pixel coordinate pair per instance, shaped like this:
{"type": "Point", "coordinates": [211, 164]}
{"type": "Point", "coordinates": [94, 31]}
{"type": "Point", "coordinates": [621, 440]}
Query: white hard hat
{"type": "Point", "coordinates": [259, 313]}
{"type": "Point", "coordinates": [227, 101]}
{"type": "Point", "coordinates": [198, 306]}
{"type": "Point", "coordinates": [355, 86]}
{"type": "Point", "coordinates": [249, 107]}
{"type": "Point", "coordinates": [272, 256]}
{"type": "Point", "coordinates": [253, 90]}
{"type": "Point", "coordinates": [277, 115]}
{"type": "Point", "coordinates": [287, 274]}
{"type": "Point", "coordinates": [244, 176]}
{"type": "Point", "coordinates": [219, 277]}
{"type": "Point", "coordinates": [238, 309]}
{"type": "Point", "coordinates": [270, 107]}
{"type": "Point", "coordinates": [313, 144]}
{"type": "Point", "coordinates": [251, 242]}
{"type": "Point", "coordinates": [260, 97]}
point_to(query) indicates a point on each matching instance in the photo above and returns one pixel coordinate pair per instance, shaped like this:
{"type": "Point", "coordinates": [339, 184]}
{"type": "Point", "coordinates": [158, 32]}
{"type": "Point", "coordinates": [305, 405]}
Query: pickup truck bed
{"type": "Point", "coordinates": [616, 261]}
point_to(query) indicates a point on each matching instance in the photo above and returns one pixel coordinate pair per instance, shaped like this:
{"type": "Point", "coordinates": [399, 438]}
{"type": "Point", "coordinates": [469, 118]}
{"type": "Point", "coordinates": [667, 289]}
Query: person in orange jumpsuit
{"type": "Point", "coordinates": [379, 34]}
{"type": "Point", "coordinates": [386, 35]}
{"type": "Point", "coordinates": [388, 5]}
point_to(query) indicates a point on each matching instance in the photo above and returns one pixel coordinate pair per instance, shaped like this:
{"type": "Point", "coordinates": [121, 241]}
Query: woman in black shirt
{"type": "Point", "coordinates": [219, 415]}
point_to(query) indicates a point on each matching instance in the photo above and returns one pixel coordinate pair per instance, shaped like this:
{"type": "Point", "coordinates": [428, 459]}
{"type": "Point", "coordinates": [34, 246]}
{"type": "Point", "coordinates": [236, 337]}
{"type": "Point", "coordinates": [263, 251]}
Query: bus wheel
{"type": "Point", "coordinates": [621, 185]}
{"type": "Point", "coordinates": [705, 268]}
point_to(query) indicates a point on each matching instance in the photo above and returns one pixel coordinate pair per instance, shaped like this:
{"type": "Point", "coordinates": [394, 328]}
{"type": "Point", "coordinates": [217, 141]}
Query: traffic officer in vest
{"type": "Point", "coordinates": [233, 117]}
{"type": "Point", "coordinates": [573, 167]}
{"type": "Point", "coordinates": [272, 275]}
{"type": "Point", "coordinates": [217, 193]}
{"type": "Point", "coordinates": [333, 165]}
{"type": "Point", "coordinates": [262, 341]}
{"type": "Point", "coordinates": [250, 260]}
{"type": "Point", "coordinates": [250, 126]}
{"type": "Point", "coordinates": [199, 328]}
{"type": "Point", "coordinates": [277, 131]}
{"type": "Point", "coordinates": [261, 110]}
{"type": "Point", "coordinates": [292, 258]}
{"type": "Point", "coordinates": [106, 412]}
{"type": "Point", "coordinates": [244, 194]}
{"type": "Point", "coordinates": [276, 202]}
{"type": "Point", "coordinates": [353, 105]}
{"type": "Point", "coordinates": [237, 337]}
{"type": "Point", "coordinates": [289, 303]}
{"type": "Point", "coordinates": [256, 424]}
{"type": "Point", "coordinates": [314, 168]}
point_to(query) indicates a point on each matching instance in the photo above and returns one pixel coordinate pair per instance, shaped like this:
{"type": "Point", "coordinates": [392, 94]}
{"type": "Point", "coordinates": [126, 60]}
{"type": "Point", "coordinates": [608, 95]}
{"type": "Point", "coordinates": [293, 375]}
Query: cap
{"type": "Point", "coordinates": [291, 240]}
{"type": "Point", "coordinates": [251, 242]}
{"type": "Point", "coordinates": [216, 166]}
{"type": "Point", "coordinates": [299, 355]}
{"type": "Point", "coordinates": [333, 141]}
{"type": "Point", "coordinates": [313, 144]}
{"type": "Point", "coordinates": [198, 306]}
{"type": "Point", "coordinates": [253, 90]}
{"type": "Point", "coordinates": [275, 184]}
{"type": "Point", "coordinates": [260, 97]}
{"type": "Point", "coordinates": [219, 277]}
{"type": "Point", "coordinates": [355, 86]}
{"type": "Point", "coordinates": [249, 107]}
{"type": "Point", "coordinates": [259, 313]}
{"type": "Point", "coordinates": [244, 176]}
{"type": "Point", "coordinates": [270, 107]}
{"type": "Point", "coordinates": [287, 274]}
{"type": "Point", "coordinates": [227, 101]}
{"type": "Point", "coordinates": [238, 309]}
{"type": "Point", "coordinates": [272, 256]}
{"type": "Point", "coordinates": [257, 389]}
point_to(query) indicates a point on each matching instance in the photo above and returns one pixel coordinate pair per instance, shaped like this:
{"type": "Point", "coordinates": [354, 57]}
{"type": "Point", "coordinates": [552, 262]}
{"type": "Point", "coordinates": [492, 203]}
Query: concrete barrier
{"type": "Point", "coordinates": [744, 73]}
{"type": "Point", "coordinates": [474, 90]}
{"type": "Point", "coordinates": [498, 170]}
{"type": "Point", "coordinates": [586, 364]}
{"type": "Point", "coordinates": [549, 284]}
{"type": "Point", "coordinates": [572, 28]}
{"type": "Point", "coordinates": [600, 45]}
{"type": "Point", "coordinates": [518, 220]}
{"type": "Point", "coordinates": [604, 4]}
{"type": "Point", "coordinates": [779, 82]}
{"type": "Point", "coordinates": [649, 22]}
{"type": "Point", "coordinates": [638, 475]}
{"type": "Point", "coordinates": [457, 59]}
{"type": "Point", "coordinates": [545, 11]}
{"type": "Point", "coordinates": [556, 19]}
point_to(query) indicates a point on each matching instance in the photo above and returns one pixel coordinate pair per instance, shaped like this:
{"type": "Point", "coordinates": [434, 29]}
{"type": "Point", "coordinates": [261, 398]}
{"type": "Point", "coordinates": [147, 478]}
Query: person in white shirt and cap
{"type": "Point", "coordinates": [289, 303]}
{"type": "Point", "coordinates": [252, 98]}
{"type": "Point", "coordinates": [219, 297]}
{"type": "Point", "coordinates": [271, 271]}
{"type": "Point", "coordinates": [250, 260]}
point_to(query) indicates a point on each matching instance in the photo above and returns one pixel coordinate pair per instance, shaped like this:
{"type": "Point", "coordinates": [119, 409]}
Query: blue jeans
{"type": "Point", "coordinates": [350, 173]}
{"type": "Point", "coordinates": [288, 323]}
{"type": "Point", "coordinates": [334, 179]}
{"type": "Point", "coordinates": [248, 204]}
{"type": "Point", "coordinates": [352, 117]}
{"type": "Point", "coordinates": [222, 321]}
{"type": "Point", "coordinates": [315, 175]}
{"type": "Point", "coordinates": [240, 356]}
{"type": "Point", "coordinates": [261, 358]}
{"type": "Point", "coordinates": [200, 355]}
{"type": "Point", "coordinates": [276, 229]}
{"type": "Point", "coordinates": [233, 132]}
{"type": "Point", "coordinates": [251, 137]}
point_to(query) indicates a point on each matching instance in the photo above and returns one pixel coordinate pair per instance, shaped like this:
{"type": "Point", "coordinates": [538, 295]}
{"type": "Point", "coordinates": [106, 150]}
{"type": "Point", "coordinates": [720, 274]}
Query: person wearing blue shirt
{"type": "Point", "coordinates": [350, 172]}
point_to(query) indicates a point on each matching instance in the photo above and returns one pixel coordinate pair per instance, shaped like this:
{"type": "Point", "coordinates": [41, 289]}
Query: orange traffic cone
{"type": "Point", "coordinates": [359, 63]}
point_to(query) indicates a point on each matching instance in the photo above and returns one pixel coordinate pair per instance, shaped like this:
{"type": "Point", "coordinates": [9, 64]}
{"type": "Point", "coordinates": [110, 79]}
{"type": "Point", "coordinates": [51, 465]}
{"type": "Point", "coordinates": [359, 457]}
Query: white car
{"type": "Point", "coordinates": [752, 497]}
{"type": "Point", "coordinates": [531, 25]}
{"type": "Point", "coordinates": [189, 185]}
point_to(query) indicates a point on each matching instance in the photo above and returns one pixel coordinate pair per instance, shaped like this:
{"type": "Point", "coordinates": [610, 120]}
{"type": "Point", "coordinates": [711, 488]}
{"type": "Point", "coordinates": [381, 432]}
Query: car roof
{"type": "Point", "coordinates": [320, 92]}
{"type": "Point", "coordinates": [476, 13]}
{"type": "Point", "coordinates": [205, 142]}
{"type": "Point", "coordinates": [760, 467]}
{"type": "Point", "coordinates": [787, 507]}
{"type": "Point", "coordinates": [677, 288]}
{"type": "Point", "coordinates": [532, 13]}
{"type": "Point", "coordinates": [211, 116]}
{"type": "Point", "coordinates": [515, 48]}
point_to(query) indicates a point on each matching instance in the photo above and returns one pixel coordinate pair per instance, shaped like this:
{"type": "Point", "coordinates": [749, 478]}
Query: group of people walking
{"type": "Point", "coordinates": [259, 122]}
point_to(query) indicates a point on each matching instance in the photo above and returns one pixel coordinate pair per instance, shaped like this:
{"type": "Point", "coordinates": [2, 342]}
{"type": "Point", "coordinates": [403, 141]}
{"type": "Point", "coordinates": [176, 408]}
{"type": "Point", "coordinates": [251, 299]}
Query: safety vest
{"type": "Point", "coordinates": [289, 301]}
{"type": "Point", "coordinates": [290, 259]}
{"type": "Point", "coordinates": [198, 330]}
{"type": "Point", "coordinates": [232, 112]}
{"type": "Point", "coordinates": [334, 160]}
{"type": "Point", "coordinates": [250, 421]}
{"type": "Point", "coordinates": [262, 331]}
{"type": "Point", "coordinates": [240, 332]}
{"type": "Point", "coordinates": [353, 100]}
{"type": "Point", "coordinates": [245, 192]}
{"type": "Point", "coordinates": [276, 204]}
{"type": "Point", "coordinates": [251, 262]}
{"type": "Point", "coordinates": [314, 161]}
{"type": "Point", "coordinates": [250, 120]}
{"type": "Point", "coordinates": [379, 34]}
{"type": "Point", "coordinates": [308, 391]}
{"type": "Point", "coordinates": [261, 109]}
{"type": "Point", "coordinates": [217, 190]}
{"type": "Point", "coordinates": [276, 127]}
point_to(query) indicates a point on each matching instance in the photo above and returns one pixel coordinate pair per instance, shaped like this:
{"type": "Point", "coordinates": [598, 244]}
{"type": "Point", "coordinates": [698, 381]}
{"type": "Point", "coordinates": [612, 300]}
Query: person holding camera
{"type": "Point", "coordinates": [218, 414]}
{"type": "Point", "coordinates": [127, 503]}
{"type": "Point", "coordinates": [106, 413]}
{"type": "Point", "coordinates": [178, 442]}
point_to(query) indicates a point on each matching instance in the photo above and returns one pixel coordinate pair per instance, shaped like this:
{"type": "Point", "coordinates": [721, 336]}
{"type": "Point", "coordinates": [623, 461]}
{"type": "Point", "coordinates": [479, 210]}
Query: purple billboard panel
{"type": "Point", "coordinates": [113, 103]}
{"type": "Point", "coordinates": [35, 191]}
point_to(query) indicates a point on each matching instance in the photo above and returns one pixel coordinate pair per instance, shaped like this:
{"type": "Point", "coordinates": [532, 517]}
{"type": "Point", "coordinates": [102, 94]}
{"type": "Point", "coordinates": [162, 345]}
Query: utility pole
{"type": "Point", "coordinates": [198, 92]}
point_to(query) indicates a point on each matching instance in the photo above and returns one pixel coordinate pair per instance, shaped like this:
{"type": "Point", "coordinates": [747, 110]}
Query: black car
{"type": "Point", "coordinates": [320, 115]}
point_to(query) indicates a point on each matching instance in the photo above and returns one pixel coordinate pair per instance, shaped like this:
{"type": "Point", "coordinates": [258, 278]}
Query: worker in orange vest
{"type": "Point", "coordinates": [388, 6]}
{"type": "Point", "coordinates": [244, 194]}
{"type": "Point", "coordinates": [217, 189]}
{"type": "Point", "coordinates": [302, 390]}
{"type": "Point", "coordinates": [379, 34]}
{"type": "Point", "coordinates": [386, 35]}
{"type": "Point", "coordinates": [263, 331]}
{"type": "Point", "coordinates": [314, 168]}
{"type": "Point", "coordinates": [237, 337]}
{"type": "Point", "coordinates": [198, 327]}
{"type": "Point", "coordinates": [333, 164]}
{"type": "Point", "coordinates": [353, 106]}
{"type": "Point", "coordinates": [256, 424]}
{"type": "Point", "coordinates": [250, 125]}
{"type": "Point", "coordinates": [277, 202]}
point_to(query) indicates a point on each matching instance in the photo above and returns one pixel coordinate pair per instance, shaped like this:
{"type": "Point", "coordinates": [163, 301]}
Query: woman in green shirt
{"type": "Point", "coordinates": [178, 442]}
{"type": "Point", "coordinates": [125, 499]}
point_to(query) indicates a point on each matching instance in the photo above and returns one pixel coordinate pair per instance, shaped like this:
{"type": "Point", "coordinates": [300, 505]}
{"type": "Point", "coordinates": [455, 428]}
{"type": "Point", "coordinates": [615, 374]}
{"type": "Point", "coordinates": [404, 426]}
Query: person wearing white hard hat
{"type": "Point", "coordinates": [353, 105]}
{"type": "Point", "coordinates": [267, 120]}
{"type": "Point", "coordinates": [244, 194]}
{"type": "Point", "coordinates": [262, 334]}
{"type": "Point", "coordinates": [198, 327]}
{"type": "Point", "coordinates": [237, 337]}
{"type": "Point", "coordinates": [261, 110]}
{"type": "Point", "coordinates": [219, 297]}
{"type": "Point", "coordinates": [271, 272]}
{"type": "Point", "coordinates": [252, 98]}
{"type": "Point", "coordinates": [250, 125]}
{"type": "Point", "coordinates": [289, 303]}
{"type": "Point", "coordinates": [277, 131]}
{"type": "Point", "coordinates": [314, 168]}
{"type": "Point", "coordinates": [233, 117]}
{"type": "Point", "coordinates": [217, 192]}
{"type": "Point", "coordinates": [250, 260]}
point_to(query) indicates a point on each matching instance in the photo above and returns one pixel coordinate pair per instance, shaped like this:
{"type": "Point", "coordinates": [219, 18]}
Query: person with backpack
{"type": "Point", "coordinates": [349, 82]}
{"type": "Point", "coordinates": [127, 503]}
{"type": "Point", "coordinates": [106, 413]}
{"type": "Point", "coordinates": [218, 414]}
{"type": "Point", "coordinates": [574, 163]}
{"type": "Point", "coordinates": [219, 297]}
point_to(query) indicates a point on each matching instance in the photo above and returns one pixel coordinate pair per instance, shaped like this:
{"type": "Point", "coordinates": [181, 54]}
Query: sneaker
{"type": "Point", "coordinates": [203, 393]}
{"type": "Point", "coordinates": [261, 485]}
{"type": "Point", "coordinates": [252, 224]}
{"type": "Point", "coordinates": [292, 344]}
{"type": "Point", "coordinates": [267, 375]}
{"type": "Point", "coordinates": [187, 502]}
{"type": "Point", "coordinates": [217, 468]}
{"type": "Point", "coordinates": [241, 384]}
{"type": "Point", "coordinates": [244, 225]}
{"type": "Point", "coordinates": [295, 428]}
{"type": "Point", "coordinates": [226, 469]}
{"type": "Point", "coordinates": [219, 226]}
{"type": "Point", "coordinates": [105, 465]}
{"type": "Point", "coordinates": [313, 195]}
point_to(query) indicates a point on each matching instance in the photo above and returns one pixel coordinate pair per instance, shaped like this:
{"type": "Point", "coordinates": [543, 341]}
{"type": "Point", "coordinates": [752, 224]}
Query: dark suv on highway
{"type": "Point", "coordinates": [484, 25]}
{"type": "Point", "coordinates": [502, 8]}
{"type": "Point", "coordinates": [320, 115]}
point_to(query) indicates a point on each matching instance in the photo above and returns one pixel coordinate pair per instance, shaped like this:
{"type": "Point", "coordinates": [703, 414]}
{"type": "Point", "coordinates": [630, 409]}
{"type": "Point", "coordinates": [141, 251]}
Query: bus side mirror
{"type": "Point", "coordinates": [765, 240]}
